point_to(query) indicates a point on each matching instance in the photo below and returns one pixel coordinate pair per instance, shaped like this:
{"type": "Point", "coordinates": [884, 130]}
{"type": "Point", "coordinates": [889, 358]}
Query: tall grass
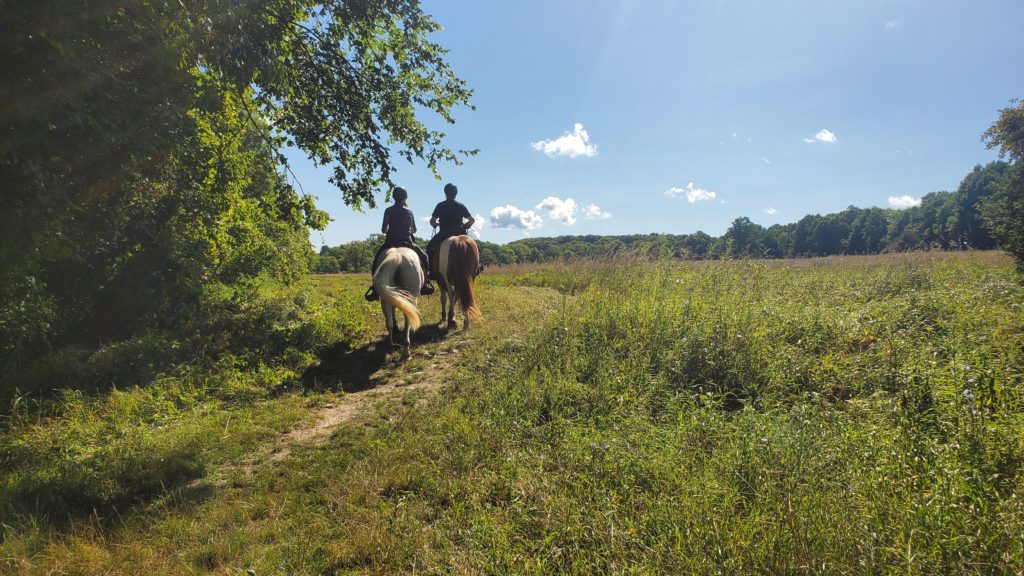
{"type": "Point", "coordinates": [836, 416]}
{"type": "Point", "coordinates": [88, 433]}
{"type": "Point", "coordinates": [726, 418]}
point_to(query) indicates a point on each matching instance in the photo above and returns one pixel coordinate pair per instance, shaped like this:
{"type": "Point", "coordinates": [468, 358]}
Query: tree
{"type": "Point", "coordinates": [744, 239]}
{"type": "Point", "coordinates": [140, 146]}
{"type": "Point", "coordinates": [968, 228]}
{"type": "Point", "coordinates": [1003, 211]}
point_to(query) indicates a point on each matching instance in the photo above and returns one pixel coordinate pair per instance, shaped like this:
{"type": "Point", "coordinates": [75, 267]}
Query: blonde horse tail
{"type": "Point", "coordinates": [463, 261]}
{"type": "Point", "coordinates": [399, 299]}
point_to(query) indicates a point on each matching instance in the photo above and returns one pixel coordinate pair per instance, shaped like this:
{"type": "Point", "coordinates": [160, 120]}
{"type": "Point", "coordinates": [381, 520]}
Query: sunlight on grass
{"type": "Point", "coordinates": [829, 416]}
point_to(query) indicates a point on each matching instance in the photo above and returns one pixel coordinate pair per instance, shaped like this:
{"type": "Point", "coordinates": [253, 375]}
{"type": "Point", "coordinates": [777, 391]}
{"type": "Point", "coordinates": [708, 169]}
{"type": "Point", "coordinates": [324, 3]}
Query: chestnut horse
{"type": "Point", "coordinates": [397, 281]}
{"type": "Point", "coordinates": [455, 265]}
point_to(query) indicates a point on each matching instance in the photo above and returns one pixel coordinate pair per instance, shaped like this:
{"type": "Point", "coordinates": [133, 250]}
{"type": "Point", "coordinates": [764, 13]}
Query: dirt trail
{"type": "Point", "coordinates": [390, 384]}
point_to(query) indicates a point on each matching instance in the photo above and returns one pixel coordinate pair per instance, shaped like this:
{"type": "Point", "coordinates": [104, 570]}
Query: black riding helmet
{"type": "Point", "coordinates": [399, 194]}
{"type": "Point", "coordinates": [450, 190]}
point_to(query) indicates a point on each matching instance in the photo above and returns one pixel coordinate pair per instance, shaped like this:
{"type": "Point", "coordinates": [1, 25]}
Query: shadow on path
{"type": "Point", "coordinates": [355, 370]}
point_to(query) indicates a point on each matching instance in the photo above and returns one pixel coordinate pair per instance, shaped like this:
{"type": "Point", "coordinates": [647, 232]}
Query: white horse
{"type": "Point", "coordinates": [398, 280]}
{"type": "Point", "coordinates": [455, 265]}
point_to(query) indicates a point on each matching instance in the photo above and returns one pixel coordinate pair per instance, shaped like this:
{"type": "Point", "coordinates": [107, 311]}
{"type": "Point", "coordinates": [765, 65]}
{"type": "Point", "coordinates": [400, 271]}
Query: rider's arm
{"type": "Point", "coordinates": [469, 222]}
{"type": "Point", "coordinates": [433, 221]}
{"type": "Point", "coordinates": [384, 224]}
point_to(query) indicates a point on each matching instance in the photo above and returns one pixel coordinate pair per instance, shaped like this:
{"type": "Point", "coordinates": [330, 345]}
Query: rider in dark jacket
{"type": "Point", "coordinates": [398, 227]}
{"type": "Point", "coordinates": [452, 216]}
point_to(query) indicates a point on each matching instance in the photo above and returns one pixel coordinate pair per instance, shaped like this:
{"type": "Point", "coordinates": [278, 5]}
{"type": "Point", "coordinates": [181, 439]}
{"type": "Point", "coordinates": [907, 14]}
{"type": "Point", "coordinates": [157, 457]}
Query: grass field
{"type": "Point", "coordinates": [855, 415]}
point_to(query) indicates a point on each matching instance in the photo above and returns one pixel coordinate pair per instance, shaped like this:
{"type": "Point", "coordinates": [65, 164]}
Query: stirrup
{"type": "Point", "coordinates": [371, 294]}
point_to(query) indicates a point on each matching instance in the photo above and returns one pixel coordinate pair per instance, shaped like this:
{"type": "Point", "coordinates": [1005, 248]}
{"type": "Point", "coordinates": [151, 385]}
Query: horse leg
{"type": "Point", "coordinates": [451, 307]}
{"type": "Point", "coordinates": [406, 351]}
{"type": "Point", "coordinates": [394, 322]}
{"type": "Point", "coordinates": [389, 321]}
{"type": "Point", "coordinates": [444, 300]}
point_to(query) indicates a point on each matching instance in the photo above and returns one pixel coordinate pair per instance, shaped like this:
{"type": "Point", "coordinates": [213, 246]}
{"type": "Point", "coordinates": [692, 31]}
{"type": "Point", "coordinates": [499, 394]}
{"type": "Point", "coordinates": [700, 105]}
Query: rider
{"type": "Point", "coordinates": [453, 217]}
{"type": "Point", "coordinates": [398, 228]}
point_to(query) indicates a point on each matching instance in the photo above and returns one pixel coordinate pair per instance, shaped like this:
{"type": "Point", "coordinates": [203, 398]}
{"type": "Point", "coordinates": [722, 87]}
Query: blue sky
{"type": "Point", "coordinates": [606, 117]}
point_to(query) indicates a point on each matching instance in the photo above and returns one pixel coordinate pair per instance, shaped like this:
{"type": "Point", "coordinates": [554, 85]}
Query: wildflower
{"type": "Point", "coordinates": [968, 395]}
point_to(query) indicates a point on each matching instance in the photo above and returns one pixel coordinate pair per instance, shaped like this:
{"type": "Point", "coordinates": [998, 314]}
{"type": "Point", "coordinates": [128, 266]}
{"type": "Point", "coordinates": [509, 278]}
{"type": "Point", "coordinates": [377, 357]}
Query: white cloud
{"type": "Point", "coordinates": [478, 226]}
{"type": "Point", "coordinates": [594, 212]}
{"type": "Point", "coordinates": [905, 201]}
{"type": "Point", "coordinates": [892, 24]}
{"type": "Point", "coordinates": [771, 211]}
{"type": "Point", "coordinates": [508, 216]}
{"type": "Point", "coordinates": [571, 144]}
{"type": "Point", "coordinates": [692, 193]}
{"type": "Point", "coordinates": [767, 161]}
{"type": "Point", "coordinates": [824, 135]}
{"type": "Point", "coordinates": [562, 210]}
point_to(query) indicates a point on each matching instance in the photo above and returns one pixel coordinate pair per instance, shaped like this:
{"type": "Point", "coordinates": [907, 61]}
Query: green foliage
{"type": "Point", "coordinates": [251, 323]}
{"type": "Point", "coordinates": [141, 151]}
{"type": "Point", "coordinates": [1004, 210]}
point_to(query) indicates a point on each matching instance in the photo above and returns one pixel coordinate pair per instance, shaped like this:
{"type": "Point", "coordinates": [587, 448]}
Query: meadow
{"type": "Point", "coordinates": [842, 415]}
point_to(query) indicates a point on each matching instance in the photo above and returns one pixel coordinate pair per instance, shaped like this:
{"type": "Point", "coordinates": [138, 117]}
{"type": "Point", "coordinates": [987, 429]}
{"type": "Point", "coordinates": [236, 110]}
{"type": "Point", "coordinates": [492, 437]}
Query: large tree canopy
{"type": "Point", "coordinates": [140, 145]}
{"type": "Point", "coordinates": [344, 80]}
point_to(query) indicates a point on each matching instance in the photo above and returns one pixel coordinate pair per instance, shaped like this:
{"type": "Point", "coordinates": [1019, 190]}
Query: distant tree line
{"type": "Point", "coordinates": [959, 220]}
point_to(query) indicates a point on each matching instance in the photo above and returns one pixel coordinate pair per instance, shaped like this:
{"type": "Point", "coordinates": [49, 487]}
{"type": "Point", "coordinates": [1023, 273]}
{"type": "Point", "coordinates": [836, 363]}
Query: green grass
{"type": "Point", "coordinates": [827, 416]}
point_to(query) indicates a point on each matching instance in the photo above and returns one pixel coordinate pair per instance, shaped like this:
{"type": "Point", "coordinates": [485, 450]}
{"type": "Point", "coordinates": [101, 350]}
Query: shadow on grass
{"type": "Point", "coordinates": [356, 370]}
{"type": "Point", "coordinates": [62, 502]}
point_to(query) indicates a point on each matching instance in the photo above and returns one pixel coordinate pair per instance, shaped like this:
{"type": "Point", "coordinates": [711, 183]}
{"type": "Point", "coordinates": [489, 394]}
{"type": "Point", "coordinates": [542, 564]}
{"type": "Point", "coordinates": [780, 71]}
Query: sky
{"type": "Point", "coordinates": [634, 117]}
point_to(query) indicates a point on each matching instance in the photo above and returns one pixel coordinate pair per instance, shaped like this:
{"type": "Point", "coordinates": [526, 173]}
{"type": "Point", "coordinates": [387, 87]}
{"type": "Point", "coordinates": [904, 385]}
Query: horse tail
{"type": "Point", "coordinates": [398, 298]}
{"type": "Point", "coordinates": [462, 264]}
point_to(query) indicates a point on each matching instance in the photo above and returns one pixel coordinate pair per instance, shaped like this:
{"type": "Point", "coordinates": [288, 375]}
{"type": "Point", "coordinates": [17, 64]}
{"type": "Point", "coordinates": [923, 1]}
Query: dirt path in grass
{"type": "Point", "coordinates": [417, 379]}
{"type": "Point", "coordinates": [376, 381]}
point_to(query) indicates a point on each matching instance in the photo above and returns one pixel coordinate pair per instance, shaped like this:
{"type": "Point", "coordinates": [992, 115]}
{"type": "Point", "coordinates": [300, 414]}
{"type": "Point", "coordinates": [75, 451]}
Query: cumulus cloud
{"type": "Point", "coordinates": [893, 24]}
{"type": "Point", "coordinates": [766, 161]}
{"type": "Point", "coordinates": [692, 193]}
{"type": "Point", "coordinates": [824, 135]}
{"type": "Point", "coordinates": [509, 216]}
{"type": "Point", "coordinates": [562, 210]}
{"type": "Point", "coordinates": [477, 227]}
{"type": "Point", "coordinates": [572, 144]}
{"type": "Point", "coordinates": [594, 212]}
{"type": "Point", "coordinates": [771, 211]}
{"type": "Point", "coordinates": [905, 201]}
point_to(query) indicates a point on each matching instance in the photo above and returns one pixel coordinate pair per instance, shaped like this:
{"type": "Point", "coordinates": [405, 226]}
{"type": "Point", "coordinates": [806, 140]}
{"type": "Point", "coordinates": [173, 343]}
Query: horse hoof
{"type": "Point", "coordinates": [452, 325]}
